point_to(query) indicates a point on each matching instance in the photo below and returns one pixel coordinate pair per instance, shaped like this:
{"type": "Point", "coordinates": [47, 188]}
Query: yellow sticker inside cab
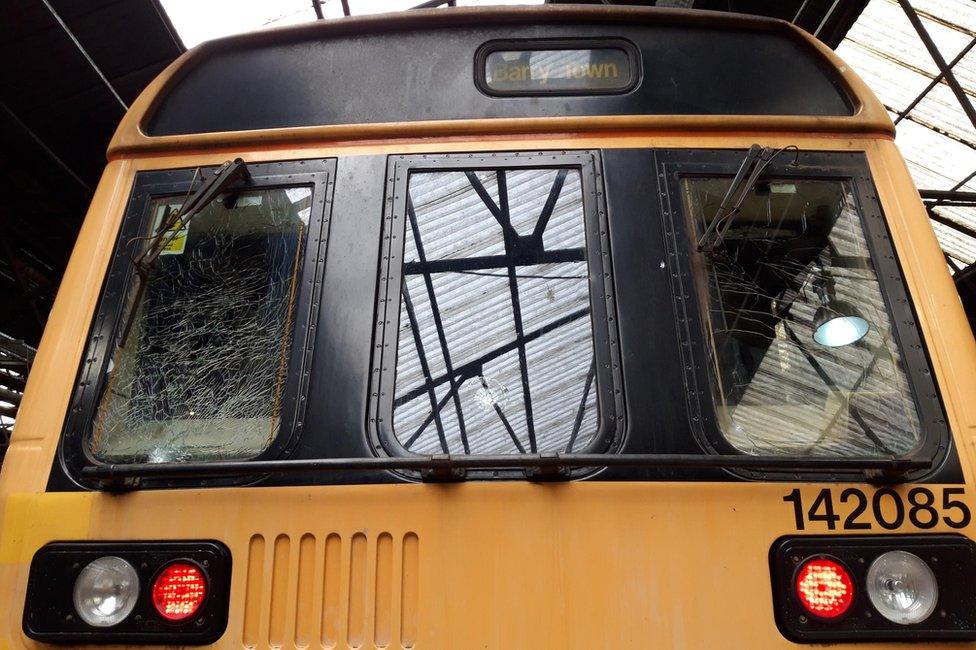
{"type": "Point", "coordinates": [174, 239]}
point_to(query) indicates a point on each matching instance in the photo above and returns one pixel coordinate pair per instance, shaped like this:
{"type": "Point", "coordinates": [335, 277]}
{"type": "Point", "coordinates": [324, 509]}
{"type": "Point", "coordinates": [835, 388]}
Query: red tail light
{"type": "Point", "coordinates": [824, 587]}
{"type": "Point", "coordinates": [179, 591]}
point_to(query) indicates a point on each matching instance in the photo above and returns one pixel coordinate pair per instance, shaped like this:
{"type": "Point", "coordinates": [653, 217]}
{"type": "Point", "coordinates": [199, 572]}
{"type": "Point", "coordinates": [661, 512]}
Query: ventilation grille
{"type": "Point", "coordinates": [331, 591]}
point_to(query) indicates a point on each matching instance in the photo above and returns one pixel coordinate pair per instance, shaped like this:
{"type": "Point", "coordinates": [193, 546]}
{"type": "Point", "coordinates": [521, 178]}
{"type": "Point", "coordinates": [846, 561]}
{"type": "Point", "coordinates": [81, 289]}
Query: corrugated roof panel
{"type": "Point", "coordinates": [935, 161]}
{"type": "Point", "coordinates": [954, 243]}
{"type": "Point", "coordinates": [895, 84]}
{"type": "Point", "coordinates": [936, 137]}
{"type": "Point", "coordinates": [965, 70]}
{"type": "Point", "coordinates": [884, 29]}
{"type": "Point", "coordinates": [961, 13]}
{"type": "Point", "coordinates": [942, 111]}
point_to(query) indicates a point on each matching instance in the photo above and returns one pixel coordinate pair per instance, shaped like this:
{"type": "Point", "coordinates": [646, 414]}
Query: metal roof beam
{"type": "Point", "coordinates": [511, 241]}
{"type": "Point", "coordinates": [84, 53]}
{"type": "Point", "coordinates": [435, 406]}
{"type": "Point", "coordinates": [936, 55]}
{"type": "Point", "coordinates": [958, 227]}
{"type": "Point", "coordinates": [935, 82]}
{"type": "Point", "coordinates": [439, 325]}
{"type": "Point", "coordinates": [951, 197]}
{"type": "Point", "coordinates": [433, 4]}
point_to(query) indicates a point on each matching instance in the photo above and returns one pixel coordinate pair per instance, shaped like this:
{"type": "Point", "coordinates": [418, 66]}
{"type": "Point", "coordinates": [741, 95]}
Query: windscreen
{"type": "Point", "coordinates": [804, 361]}
{"type": "Point", "coordinates": [200, 373]}
{"type": "Point", "coordinates": [495, 352]}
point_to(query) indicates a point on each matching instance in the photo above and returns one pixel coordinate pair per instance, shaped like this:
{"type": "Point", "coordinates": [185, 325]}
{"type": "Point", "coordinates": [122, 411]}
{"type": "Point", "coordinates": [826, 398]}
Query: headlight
{"type": "Point", "coordinates": [106, 591]}
{"type": "Point", "coordinates": [902, 587]}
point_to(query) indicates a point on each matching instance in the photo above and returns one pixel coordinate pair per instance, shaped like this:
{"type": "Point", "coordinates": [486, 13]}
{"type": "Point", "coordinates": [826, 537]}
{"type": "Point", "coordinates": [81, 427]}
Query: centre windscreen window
{"type": "Point", "coordinates": [808, 343]}
{"type": "Point", "coordinates": [494, 310]}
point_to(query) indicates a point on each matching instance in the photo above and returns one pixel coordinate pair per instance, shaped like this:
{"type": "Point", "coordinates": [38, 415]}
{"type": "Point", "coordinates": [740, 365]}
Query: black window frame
{"type": "Point", "coordinates": [673, 166]}
{"type": "Point", "coordinates": [602, 316]}
{"type": "Point", "coordinates": [109, 316]}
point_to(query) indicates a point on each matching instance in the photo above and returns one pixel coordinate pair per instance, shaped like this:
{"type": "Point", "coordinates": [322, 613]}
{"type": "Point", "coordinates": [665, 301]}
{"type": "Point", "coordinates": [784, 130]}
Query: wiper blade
{"type": "Point", "coordinates": [752, 168]}
{"type": "Point", "coordinates": [454, 467]}
{"type": "Point", "coordinates": [226, 176]}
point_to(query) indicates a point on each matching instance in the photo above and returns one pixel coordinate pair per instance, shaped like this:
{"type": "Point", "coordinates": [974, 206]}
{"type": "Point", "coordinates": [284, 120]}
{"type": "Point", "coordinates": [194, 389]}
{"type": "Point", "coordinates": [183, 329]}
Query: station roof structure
{"type": "Point", "coordinates": [78, 64]}
{"type": "Point", "coordinates": [918, 57]}
{"type": "Point", "coordinates": [71, 69]}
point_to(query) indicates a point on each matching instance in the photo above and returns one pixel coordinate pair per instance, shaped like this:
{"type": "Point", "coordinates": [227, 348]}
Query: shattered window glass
{"type": "Point", "coordinates": [803, 357]}
{"type": "Point", "coordinates": [495, 352]}
{"type": "Point", "coordinates": [200, 374]}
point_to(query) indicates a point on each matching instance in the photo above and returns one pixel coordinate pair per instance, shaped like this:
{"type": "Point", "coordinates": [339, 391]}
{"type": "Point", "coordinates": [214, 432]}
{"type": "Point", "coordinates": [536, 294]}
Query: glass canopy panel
{"type": "Point", "coordinates": [201, 372]}
{"type": "Point", "coordinates": [495, 351]}
{"type": "Point", "coordinates": [803, 356]}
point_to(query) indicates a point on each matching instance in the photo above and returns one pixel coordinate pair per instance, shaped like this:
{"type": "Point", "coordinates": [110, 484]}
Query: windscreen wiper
{"type": "Point", "coordinates": [227, 175]}
{"type": "Point", "coordinates": [752, 168]}
{"type": "Point", "coordinates": [448, 467]}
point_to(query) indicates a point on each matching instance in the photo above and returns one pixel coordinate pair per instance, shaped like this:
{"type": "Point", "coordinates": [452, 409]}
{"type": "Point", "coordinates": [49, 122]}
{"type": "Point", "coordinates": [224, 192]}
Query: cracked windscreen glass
{"type": "Point", "coordinates": [803, 356]}
{"type": "Point", "coordinates": [201, 374]}
{"type": "Point", "coordinates": [495, 352]}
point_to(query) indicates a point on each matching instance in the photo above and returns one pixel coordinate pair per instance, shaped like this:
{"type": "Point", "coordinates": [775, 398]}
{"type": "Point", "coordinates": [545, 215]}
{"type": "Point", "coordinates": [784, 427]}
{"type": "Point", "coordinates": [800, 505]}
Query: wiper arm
{"type": "Point", "coordinates": [227, 175]}
{"type": "Point", "coordinates": [539, 466]}
{"type": "Point", "coordinates": [753, 165]}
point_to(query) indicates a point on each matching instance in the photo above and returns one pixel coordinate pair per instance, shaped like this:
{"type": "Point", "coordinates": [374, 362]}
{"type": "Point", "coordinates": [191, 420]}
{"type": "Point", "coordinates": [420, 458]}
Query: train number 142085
{"type": "Point", "coordinates": [885, 508]}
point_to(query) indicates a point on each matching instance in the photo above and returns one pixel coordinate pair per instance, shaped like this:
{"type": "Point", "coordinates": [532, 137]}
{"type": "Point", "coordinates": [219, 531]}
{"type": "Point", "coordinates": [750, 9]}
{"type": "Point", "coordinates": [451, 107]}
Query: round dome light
{"type": "Point", "coordinates": [106, 591]}
{"type": "Point", "coordinates": [902, 587]}
{"type": "Point", "coordinates": [833, 328]}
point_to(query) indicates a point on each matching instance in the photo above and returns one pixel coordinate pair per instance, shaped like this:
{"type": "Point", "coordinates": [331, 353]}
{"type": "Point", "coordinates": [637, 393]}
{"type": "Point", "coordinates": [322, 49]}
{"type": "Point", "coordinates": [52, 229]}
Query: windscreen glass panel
{"type": "Point", "coordinates": [804, 360]}
{"type": "Point", "coordinates": [495, 344]}
{"type": "Point", "coordinates": [201, 372]}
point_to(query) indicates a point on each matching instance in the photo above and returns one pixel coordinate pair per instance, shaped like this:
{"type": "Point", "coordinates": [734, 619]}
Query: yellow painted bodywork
{"type": "Point", "coordinates": [479, 564]}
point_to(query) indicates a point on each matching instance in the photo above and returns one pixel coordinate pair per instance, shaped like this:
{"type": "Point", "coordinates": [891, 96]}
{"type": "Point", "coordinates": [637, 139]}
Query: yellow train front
{"type": "Point", "coordinates": [522, 328]}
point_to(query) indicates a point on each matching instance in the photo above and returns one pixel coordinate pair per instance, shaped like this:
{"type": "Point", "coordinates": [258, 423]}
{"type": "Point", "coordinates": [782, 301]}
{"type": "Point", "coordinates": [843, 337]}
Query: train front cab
{"type": "Point", "coordinates": [455, 361]}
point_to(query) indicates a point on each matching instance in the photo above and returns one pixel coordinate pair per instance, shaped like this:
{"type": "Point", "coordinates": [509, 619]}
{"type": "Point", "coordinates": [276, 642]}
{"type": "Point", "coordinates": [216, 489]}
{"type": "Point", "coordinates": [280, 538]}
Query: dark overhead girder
{"type": "Point", "coordinates": [72, 69]}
